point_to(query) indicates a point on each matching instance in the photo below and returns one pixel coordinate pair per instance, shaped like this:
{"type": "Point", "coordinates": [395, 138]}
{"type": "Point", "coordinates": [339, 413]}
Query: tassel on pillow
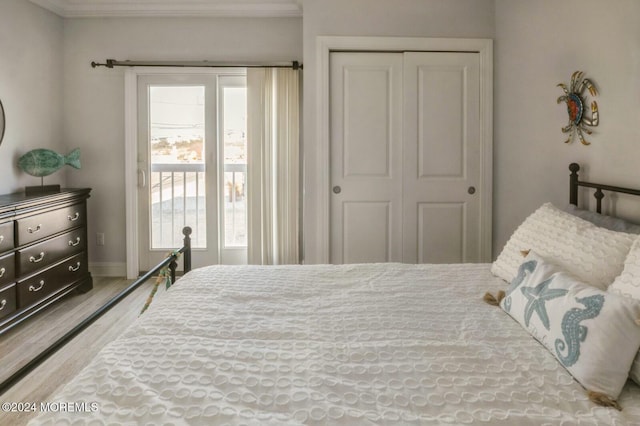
{"type": "Point", "coordinates": [494, 300]}
{"type": "Point", "coordinates": [603, 400]}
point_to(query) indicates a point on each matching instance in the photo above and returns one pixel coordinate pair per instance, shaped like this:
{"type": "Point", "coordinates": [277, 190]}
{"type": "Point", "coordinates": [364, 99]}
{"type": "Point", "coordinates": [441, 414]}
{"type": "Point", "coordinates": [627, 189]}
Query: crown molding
{"type": "Point", "coordinates": [176, 8]}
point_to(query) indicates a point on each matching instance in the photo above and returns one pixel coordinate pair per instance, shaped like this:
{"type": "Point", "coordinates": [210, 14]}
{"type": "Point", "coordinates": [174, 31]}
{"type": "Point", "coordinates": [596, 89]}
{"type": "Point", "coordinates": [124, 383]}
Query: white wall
{"type": "Point", "coordinates": [94, 98]}
{"type": "Point", "coordinates": [30, 88]}
{"type": "Point", "coordinates": [538, 45]}
{"type": "Point", "coordinates": [407, 18]}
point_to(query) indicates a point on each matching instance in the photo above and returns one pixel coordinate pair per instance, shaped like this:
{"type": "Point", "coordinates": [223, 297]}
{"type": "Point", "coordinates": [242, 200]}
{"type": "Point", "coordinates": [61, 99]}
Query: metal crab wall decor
{"type": "Point", "coordinates": [573, 96]}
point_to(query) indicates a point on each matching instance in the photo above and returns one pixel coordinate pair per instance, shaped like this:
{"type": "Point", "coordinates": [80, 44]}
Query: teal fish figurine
{"type": "Point", "coordinates": [43, 162]}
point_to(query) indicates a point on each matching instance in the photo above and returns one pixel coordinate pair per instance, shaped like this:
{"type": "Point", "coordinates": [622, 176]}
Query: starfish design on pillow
{"type": "Point", "coordinates": [537, 297]}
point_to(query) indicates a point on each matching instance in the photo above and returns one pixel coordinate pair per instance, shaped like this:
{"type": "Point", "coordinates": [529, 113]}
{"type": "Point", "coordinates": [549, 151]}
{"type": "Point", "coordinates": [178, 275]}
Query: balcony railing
{"type": "Point", "coordinates": [235, 206]}
{"type": "Point", "coordinates": [178, 199]}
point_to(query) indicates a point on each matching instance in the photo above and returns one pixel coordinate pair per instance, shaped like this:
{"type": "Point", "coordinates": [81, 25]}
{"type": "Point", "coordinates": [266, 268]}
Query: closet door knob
{"type": "Point", "coordinates": [337, 189]}
{"type": "Point", "coordinates": [471, 190]}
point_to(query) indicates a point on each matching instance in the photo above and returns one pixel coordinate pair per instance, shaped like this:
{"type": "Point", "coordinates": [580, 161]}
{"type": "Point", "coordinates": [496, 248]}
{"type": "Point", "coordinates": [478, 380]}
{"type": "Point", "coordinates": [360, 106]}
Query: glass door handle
{"type": "Point", "coordinates": [142, 178]}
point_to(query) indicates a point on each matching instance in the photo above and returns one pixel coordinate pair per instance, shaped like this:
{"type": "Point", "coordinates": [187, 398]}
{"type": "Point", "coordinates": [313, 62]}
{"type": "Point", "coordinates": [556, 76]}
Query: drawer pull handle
{"type": "Point", "coordinates": [74, 217]}
{"type": "Point", "coordinates": [73, 244]}
{"type": "Point", "coordinates": [72, 269]}
{"type": "Point", "coordinates": [2, 272]}
{"type": "Point", "coordinates": [37, 259]}
{"type": "Point", "coordinates": [3, 304]}
{"type": "Point", "coordinates": [32, 288]}
{"type": "Point", "coordinates": [32, 230]}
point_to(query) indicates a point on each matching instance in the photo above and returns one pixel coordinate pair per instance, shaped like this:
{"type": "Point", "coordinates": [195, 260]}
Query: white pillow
{"type": "Point", "coordinates": [595, 255]}
{"type": "Point", "coordinates": [604, 221]}
{"type": "Point", "coordinates": [594, 334]}
{"type": "Point", "coordinates": [628, 284]}
{"type": "Point", "coordinates": [634, 373]}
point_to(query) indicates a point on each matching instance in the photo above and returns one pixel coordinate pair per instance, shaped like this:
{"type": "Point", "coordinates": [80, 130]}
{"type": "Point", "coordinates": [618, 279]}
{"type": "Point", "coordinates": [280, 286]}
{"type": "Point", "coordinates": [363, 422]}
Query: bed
{"type": "Point", "coordinates": [374, 344]}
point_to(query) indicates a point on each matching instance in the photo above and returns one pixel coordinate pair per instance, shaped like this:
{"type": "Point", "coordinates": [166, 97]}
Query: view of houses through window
{"type": "Point", "coordinates": [178, 153]}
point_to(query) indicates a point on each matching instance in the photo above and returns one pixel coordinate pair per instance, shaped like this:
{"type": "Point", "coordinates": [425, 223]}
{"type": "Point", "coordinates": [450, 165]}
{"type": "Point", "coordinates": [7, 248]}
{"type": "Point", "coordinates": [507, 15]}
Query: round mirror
{"type": "Point", "coordinates": [1, 122]}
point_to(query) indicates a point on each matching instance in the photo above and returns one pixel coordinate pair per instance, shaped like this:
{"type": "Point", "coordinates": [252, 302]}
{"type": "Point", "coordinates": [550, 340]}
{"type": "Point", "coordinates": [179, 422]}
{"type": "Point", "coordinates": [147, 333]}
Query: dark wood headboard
{"type": "Point", "coordinates": [575, 183]}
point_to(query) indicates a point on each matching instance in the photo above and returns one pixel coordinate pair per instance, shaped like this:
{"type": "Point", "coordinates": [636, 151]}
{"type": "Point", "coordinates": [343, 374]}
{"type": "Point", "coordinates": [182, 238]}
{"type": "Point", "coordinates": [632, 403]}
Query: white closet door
{"type": "Point", "coordinates": [366, 157]}
{"type": "Point", "coordinates": [406, 157]}
{"type": "Point", "coordinates": [442, 158]}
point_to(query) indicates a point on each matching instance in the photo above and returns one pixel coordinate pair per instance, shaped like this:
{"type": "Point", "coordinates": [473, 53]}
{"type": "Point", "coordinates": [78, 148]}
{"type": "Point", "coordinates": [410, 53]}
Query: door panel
{"type": "Point", "coordinates": [367, 109]}
{"type": "Point", "coordinates": [441, 100]}
{"type": "Point", "coordinates": [441, 157]}
{"type": "Point", "coordinates": [232, 134]}
{"type": "Point", "coordinates": [366, 157]}
{"type": "Point", "coordinates": [441, 236]}
{"type": "Point", "coordinates": [176, 157]}
{"type": "Point", "coordinates": [360, 218]}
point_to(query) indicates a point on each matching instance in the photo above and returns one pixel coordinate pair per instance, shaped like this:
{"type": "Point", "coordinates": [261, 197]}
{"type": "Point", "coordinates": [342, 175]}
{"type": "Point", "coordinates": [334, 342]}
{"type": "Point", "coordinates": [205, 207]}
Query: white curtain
{"type": "Point", "coordinates": [273, 165]}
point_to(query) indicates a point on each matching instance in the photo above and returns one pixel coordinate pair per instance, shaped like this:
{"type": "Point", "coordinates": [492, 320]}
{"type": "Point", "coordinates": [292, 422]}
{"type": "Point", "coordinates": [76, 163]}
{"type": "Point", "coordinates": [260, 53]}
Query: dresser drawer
{"type": "Point", "coordinates": [37, 256]}
{"type": "Point", "coordinates": [42, 225]}
{"type": "Point", "coordinates": [7, 300]}
{"type": "Point", "coordinates": [48, 282]}
{"type": "Point", "coordinates": [6, 236]}
{"type": "Point", "coordinates": [7, 269]}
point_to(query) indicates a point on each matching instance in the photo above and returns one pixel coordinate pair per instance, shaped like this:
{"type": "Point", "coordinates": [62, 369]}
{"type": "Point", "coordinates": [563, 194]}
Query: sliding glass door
{"type": "Point", "coordinates": [192, 166]}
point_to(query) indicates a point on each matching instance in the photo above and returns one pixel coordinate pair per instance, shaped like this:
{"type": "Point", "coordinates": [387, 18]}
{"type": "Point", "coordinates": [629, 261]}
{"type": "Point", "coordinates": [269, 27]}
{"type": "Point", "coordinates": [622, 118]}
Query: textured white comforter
{"type": "Point", "coordinates": [352, 344]}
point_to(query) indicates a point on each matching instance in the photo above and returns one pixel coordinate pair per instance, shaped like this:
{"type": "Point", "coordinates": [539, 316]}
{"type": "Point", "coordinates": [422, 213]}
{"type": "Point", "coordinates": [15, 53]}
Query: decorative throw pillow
{"type": "Point", "coordinates": [628, 284]}
{"type": "Point", "coordinates": [595, 255]}
{"type": "Point", "coordinates": [604, 221]}
{"type": "Point", "coordinates": [594, 334]}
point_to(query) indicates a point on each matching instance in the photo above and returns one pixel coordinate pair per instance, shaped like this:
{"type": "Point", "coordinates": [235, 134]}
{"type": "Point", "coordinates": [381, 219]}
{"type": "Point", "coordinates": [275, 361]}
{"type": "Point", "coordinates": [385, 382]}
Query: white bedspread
{"type": "Point", "coordinates": [352, 344]}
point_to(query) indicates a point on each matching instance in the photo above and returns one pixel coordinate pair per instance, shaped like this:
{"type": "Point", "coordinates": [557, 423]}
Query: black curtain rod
{"type": "Point", "coordinates": [110, 63]}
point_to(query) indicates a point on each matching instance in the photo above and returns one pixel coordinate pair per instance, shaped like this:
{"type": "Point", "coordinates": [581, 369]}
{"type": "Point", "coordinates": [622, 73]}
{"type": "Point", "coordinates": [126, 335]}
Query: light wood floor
{"type": "Point", "coordinates": [23, 342]}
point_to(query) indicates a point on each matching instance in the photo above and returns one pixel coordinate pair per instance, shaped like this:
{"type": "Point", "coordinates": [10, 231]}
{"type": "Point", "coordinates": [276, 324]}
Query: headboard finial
{"type": "Point", "coordinates": [574, 167]}
{"type": "Point", "coordinates": [573, 183]}
{"type": "Point", "coordinates": [186, 231]}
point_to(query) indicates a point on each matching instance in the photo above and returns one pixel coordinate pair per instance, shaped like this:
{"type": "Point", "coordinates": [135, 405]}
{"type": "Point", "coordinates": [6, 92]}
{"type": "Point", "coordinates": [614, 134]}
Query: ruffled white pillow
{"type": "Point", "coordinates": [593, 254]}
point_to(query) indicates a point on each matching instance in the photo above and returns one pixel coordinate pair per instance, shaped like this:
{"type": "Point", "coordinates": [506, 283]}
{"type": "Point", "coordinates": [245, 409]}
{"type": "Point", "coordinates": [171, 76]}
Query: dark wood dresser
{"type": "Point", "coordinates": [43, 251]}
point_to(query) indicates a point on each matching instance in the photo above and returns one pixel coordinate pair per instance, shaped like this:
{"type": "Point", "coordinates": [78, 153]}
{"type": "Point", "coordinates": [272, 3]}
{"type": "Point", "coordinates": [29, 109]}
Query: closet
{"type": "Point", "coordinates": [406, 161]}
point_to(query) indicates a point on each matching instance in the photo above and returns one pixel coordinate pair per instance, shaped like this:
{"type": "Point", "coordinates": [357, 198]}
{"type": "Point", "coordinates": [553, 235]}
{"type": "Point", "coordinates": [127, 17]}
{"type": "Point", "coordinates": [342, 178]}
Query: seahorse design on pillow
{"type": "Point", "coordinates": [525, 267]}
{"type": "Point", "coordinates": [574, 333]}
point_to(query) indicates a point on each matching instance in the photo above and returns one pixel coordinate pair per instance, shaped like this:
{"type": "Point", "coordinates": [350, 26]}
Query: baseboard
{"type": "Point", "coordinates": [108, 269]}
